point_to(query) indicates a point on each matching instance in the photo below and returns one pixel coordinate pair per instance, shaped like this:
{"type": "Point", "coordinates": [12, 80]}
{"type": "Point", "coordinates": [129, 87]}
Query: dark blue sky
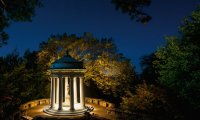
{"type": "Point", "coordinates": [100, 18]}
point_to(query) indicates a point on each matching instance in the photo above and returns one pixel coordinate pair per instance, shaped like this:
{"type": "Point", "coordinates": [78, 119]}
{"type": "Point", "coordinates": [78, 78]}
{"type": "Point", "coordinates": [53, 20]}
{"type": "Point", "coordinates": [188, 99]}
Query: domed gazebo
{"type": "Point", "coordinates": [67, 92]}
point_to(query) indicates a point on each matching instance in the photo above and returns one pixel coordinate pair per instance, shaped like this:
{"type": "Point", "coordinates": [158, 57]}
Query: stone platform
{"type": "Point", "coordinates": [99, 112]}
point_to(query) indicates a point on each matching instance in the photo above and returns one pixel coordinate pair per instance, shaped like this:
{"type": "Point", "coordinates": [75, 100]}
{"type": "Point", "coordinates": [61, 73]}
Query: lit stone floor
{"type": "Point", "coordinates": [98, 111]}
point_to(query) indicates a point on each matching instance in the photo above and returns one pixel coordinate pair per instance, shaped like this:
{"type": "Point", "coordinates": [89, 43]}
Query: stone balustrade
{"type": "Point", "coordinates": [35, 103]}
{"type": "Point", "coordinates": [109, 107]}
{"type": "Point", "coordinates": [99, 102]}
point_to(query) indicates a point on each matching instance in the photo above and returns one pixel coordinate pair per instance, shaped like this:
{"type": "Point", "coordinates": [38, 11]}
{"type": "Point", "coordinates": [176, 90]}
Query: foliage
{"type": "Point", "coordinates": [148, 101]}
{"type": "Point", "coordinates": [21, 80]}
{"type": "Point", "coordinates": [148, 74]}
{"type": "Point", "coordinates": [14, 11]}
{"type": "Point", "coordinates": [110, 75]}
{"type": "Point", "coordinates": [178, 62]}
{"type": "Point", "coordinates": [134, 8]}
{"type": "Point", "coordinates": [8, 102]}
{"type": "Point", "coordinates": [110, 71]}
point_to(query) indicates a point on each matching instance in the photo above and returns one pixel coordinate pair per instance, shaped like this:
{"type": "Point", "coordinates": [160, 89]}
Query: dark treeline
{"type": "Point", "coordinates": [175, 69]}
{"type": "Point", "coordinates": [21, 80]}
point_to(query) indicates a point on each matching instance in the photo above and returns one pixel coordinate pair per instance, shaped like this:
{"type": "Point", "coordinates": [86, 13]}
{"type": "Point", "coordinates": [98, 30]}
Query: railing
{"type": "Point", "coordinates": [33, 103]}
{"type": "Point", "coordinates": [99, 102]}
{"type": "Point", "coordinates": [111, 110]}
{"type": "Point", "coordinates": [110, 107]}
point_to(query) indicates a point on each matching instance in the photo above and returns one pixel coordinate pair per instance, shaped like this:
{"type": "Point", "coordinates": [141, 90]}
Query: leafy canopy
{"type": "Point", "coordinates": [178, 62]}
{"type": "Point", "coordinates": [21, 80]}
{"type": "Point", "coordinates": [110, 71]}
{"type": "Point", "coordinates": [134, 8]}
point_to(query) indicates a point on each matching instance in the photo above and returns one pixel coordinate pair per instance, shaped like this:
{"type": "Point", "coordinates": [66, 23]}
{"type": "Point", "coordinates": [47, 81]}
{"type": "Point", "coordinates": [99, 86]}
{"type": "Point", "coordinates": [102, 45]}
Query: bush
{"type": "Point", "coordinates": [148, 101]}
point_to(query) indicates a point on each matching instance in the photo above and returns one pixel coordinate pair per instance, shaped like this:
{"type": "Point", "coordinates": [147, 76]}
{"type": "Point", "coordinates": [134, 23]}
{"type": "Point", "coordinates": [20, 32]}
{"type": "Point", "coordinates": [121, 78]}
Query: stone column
{"type": "Point", "coordinates": [52, 92]}
{"type": "Point", "coordinates": [60, 93]}
{"type": "Point", "coordinates": [82, 97]}
{"type": "Point", "coordinates": [63, 89]}
{"type": "Point", "coordinates": [57, 90]}
{"type": "Point", "coordinates": [71, 94]}
{"type": "Point", "coordinates": [75, 90]}
{"type": "Point", "coordinates": [66, 90]}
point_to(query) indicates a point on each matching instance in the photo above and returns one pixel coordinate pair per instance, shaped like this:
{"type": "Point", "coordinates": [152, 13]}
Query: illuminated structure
{"type": "Point", "coordinates": [67, 94]}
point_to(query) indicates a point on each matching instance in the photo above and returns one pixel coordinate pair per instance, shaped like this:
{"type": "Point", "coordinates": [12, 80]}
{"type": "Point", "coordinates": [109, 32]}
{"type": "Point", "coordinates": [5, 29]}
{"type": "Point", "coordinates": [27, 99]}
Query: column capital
{"type": "Point", "coordinates": [60, 75]}
{"type": "Point", "coordinates": [73, 76]}
{"type": "Point", "coordinates": [81, 77]}
{"type": "Point", "coordinates": [70, 77]}
{"type": "Point", "coordinates": [54, 75]}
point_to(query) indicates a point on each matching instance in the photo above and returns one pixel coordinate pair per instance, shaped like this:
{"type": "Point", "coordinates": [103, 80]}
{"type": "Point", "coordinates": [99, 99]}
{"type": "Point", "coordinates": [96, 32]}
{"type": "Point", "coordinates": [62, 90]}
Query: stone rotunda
{"type": "Point", "coordinates": [67, 91]}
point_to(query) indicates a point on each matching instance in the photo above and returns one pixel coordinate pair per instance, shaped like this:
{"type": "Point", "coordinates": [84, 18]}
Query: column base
{"type": "Point", "coordinates": [71, 109]}
{"type": "Point", "coordinates": [65, 112]}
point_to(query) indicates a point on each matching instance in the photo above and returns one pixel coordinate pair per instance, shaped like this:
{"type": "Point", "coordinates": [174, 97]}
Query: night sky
{"type": "Point", "coordinates": [99, 17]}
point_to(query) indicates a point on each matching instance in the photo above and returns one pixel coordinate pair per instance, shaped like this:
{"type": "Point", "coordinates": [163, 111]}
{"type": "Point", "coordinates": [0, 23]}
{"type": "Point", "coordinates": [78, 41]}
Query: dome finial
{"type": "Point", "coordinates": [66, 53]}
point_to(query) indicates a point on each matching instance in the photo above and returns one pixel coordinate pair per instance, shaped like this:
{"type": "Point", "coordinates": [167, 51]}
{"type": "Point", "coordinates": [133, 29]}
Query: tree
{"type": "Point", "coordinates": [110, 75]}
{"type": "Point", "coordinates": [178, 62]}
{"type": "Point", "coordinates": [148, 74]}
{"type": "Point", "coordinates": [134, 8]}
{"type": "Point", "coordinates": [8, 102]}
{"type": "Point", "coordinates": [148, 102]}
{"type": "Point", "coordinates": [111, 72]}
{"type": "Point", "coordinates": [19, 78]}
{"type": "Point", "coordinates": [15, 11]}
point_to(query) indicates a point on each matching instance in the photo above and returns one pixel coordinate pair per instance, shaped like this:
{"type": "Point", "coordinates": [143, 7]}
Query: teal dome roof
{"type": "Point", "coordinates": [67, 62]}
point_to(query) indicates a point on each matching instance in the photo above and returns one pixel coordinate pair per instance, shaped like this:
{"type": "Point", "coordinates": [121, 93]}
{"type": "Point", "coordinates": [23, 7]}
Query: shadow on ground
{"type": "Point", "coordinates": [86, 117]}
